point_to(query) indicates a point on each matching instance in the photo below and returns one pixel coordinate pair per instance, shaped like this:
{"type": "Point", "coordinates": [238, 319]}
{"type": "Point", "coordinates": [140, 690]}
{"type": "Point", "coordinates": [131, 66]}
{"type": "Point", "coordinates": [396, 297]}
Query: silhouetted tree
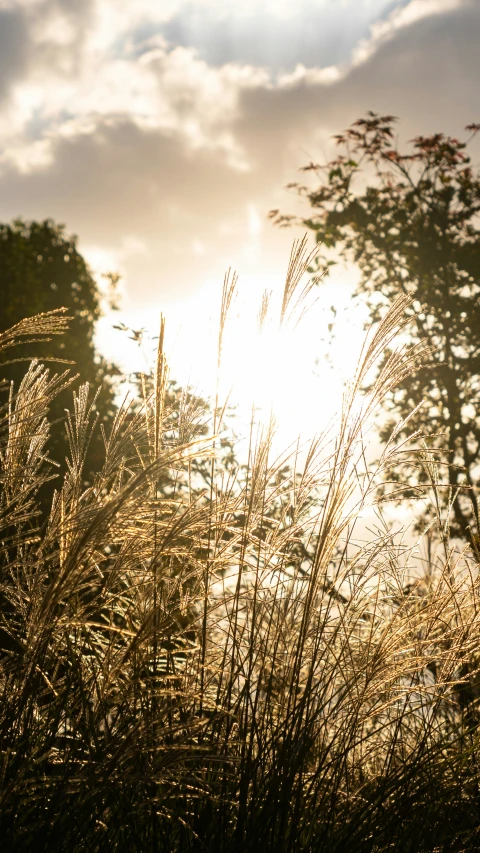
{"type": "Point", "coordinates": [40, 270]}
{"type": "Point", "coordinates": [410, 222]}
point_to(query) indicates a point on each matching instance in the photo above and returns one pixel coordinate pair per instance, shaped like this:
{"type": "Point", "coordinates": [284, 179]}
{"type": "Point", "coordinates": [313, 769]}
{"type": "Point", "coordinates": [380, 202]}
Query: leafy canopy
{"type": "Point", "coordinates": [42, 270]}
{"type": "Point", "coordinates": [409, 220]}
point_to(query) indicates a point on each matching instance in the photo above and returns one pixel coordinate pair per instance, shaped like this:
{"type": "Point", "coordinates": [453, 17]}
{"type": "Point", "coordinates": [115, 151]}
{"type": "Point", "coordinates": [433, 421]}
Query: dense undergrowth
{"type": "Point", "coordinates": [220, 665]}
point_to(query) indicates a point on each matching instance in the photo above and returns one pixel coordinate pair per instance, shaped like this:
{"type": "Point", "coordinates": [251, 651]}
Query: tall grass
{"type": "Point", "coordinates": [221, 665]}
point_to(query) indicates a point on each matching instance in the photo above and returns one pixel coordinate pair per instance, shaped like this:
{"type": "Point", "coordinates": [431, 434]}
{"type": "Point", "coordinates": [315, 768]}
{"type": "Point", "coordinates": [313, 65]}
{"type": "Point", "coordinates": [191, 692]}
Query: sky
{"type": "Point", "coordinates": [161, 132]}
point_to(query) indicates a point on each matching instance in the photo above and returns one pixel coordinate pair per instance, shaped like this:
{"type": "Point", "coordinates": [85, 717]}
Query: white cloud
{"type": "Point", "coordinates": [313, 76]}
{"type": "Point", "coordinates": [405, 16]}
{"type": "Point", "coordinates": [141, 144]}
{"type": "Point", "coordinates": [83, 63]}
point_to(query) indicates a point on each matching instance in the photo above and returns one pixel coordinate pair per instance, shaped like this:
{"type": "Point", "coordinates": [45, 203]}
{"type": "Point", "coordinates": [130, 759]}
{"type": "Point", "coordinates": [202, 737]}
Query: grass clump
{"type": "Point", "coordinates": [220, 665]}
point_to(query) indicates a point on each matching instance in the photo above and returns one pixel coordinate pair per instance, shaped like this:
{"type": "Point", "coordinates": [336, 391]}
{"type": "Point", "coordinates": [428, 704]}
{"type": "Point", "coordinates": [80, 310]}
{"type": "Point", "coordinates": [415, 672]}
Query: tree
{"type": "Point", "coordinates": [410, 222]}
{"type": "Point", "coordinates": [40, 270]}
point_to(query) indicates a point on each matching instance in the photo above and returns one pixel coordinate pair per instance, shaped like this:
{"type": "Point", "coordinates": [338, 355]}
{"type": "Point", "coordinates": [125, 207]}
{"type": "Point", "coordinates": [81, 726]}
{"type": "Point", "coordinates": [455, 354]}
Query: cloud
{"type": "Point", "coordinates": [426, 73]}
{"type": "Point", "coordinates": [14, 44]}
{"type": "Point", "coordinates": [169, 163]}
{"type": "Point", "coordinates": [404, 16]}
{"type": "Point", "coordinates": [121, 183]}
{"type": "Point", "coordinates": [317, 33]}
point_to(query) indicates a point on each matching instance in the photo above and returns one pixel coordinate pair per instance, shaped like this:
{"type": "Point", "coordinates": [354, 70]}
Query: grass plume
{"type": "Point", "coordinates": [227, 668]}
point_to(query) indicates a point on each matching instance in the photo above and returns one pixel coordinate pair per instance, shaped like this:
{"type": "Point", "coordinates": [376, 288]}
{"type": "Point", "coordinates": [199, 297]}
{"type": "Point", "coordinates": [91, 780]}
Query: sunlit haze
{"type": "Point", "coordinates": [294, 372]}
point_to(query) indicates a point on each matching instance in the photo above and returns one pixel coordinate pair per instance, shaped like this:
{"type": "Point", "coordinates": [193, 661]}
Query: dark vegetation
{"type": "Point", "coordinates": [42, 270]}
{"type": "Point", "coordinates": [409, 219]}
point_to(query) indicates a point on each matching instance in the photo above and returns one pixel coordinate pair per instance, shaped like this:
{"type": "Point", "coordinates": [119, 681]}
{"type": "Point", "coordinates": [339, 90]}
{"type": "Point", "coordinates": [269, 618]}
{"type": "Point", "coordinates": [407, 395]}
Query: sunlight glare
{"type": "Point", "coordinates": [294, 372]}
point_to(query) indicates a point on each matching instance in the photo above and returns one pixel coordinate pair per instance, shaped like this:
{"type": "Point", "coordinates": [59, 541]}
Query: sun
{"type": "Point", "coordinates": [281, 370]}
{"type": "Point", "coordinates": [292, 370]}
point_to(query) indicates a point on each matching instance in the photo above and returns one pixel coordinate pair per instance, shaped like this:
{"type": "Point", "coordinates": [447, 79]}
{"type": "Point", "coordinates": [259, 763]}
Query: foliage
{"type": "Point", "coordinates": [410, 222]}
{"type": "Point", "coordinates": [174, 680]}
{"type": "Point", "coordinates": [41, 270]}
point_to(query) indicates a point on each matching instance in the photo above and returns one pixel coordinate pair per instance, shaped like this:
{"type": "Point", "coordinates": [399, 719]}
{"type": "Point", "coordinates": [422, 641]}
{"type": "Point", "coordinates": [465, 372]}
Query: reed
{"type": "Point", "coordinates": [226, 668]}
